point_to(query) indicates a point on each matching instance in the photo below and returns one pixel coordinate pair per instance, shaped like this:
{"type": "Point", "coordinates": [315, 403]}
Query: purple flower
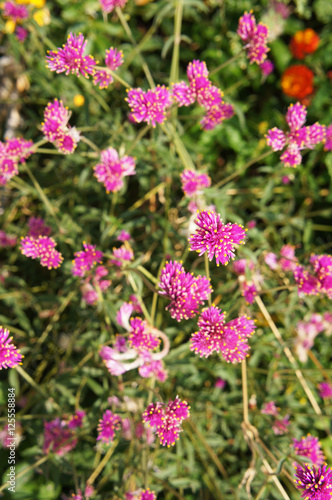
{"type": "Point", "coordinates": [153, 368]}
{"type": "Point", "coordinates": [220, 383]}
{"type": "Point", "coordinates": [140, 337]}
{"type": "Point", "coordinates": [270, 409]}
{"type": "Point", "coordinates": [309, 447]}
{"type": "Point", "coordinates": [192, 182]}
{"type": "Point", "coordinates": [255, 38]}
{"type": "Point", "coordinates": [124, 236]}
{"type": "Point", "coordinates": [186, 291]}
{"type": "Point", "coordinates": [267, 67]}
{"type": "Point", "coordinates": [216, 114]}
{"type": "Point", "coordinates": [316, 482]}
{"type": "Point", "coordinates": [280, 427]}
{"type": "Point", "coordinates": [13, 152]}
{"type": "Point", "coordinates": [9, 354]}
{"type": "Point", "coordinates": [15, 12]}
{"type": "Point", "coordinates": [167, 419]}
{"type": "Point", "coordinates": [114, 58]}
{"type": "Point", "coordinates": [21, 33]}
{"type": "Point", "coordinates": [214, 335]}
{"type": "Point", "coordinates": [307, 284]}
{"type": "Point", "coordinates": [241, 265]}
{"type": "Point", "coordinates": [37, 227]}
{"type": "Point", "coordinates": [325, 390]}
{"type": "Point", "coordinates": [108, 425]}
{"type": "Point", "coordinates": [76, 420]}
{"type": "Point", "coordinates": [56, 129]}
{"type": "Point", "coordinates": [7, 240]}
{"type": "Point", "coordinates": [86, 259]}
{"type": "Point", "coordinates": [249, 292]}
{"type": "Point", "coordinates": [306, 334]}
{"type": "Point", "coordinates": [108, 5]}
{"type": "Point", "coordinates": [123, 315]}
{"type": "Point", "coordinates": [150, 106]}
{"type": "Point", "coordinates": [271, 260]}
{"type": "Point", "coordinates": [328, 138]}
{"type": "Point", "coordinates": [288, 261]}
{"type": "Point", "coordinates": [322, 266]}
{"type": "Point", "coordinates": [216, 238]}
{"type": "Point", "coordinates": [121, 256]}
{"type": "Point", "coordinates": [71, 59]}
{"type": "Point", "coordinates": [298, 137]}
{"type": "Point", "coordinates": [58, 437]}
{"type": "Point", "coordinates": [42, 248]}
{"type": "Point", "coordinates": [113, 169]}
{"type": "Point", "coordinates": [147, 495]}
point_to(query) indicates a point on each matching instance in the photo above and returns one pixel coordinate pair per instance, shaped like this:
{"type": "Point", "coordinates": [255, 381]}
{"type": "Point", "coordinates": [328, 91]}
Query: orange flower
{"type": "Point", "coordinates": [297, 81]}
{"type": "Point", "coordinates": [303, 43]}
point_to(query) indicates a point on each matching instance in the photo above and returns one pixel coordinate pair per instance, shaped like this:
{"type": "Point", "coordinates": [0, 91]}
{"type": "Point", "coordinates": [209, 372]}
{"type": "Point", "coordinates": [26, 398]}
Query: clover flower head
{"type": "Point", "coordinates": [288, 261]}
{"type": "Point", "coordinates": [147, 495]}
{"type": "Point", "coordinates": [112, 169]}
{"type": "Point", "coordinates": [108, 425]}
{"type": "Point", "coordinates": [9, 354]}
{"type": "Point", "coordinates": [21, 33]}
{"type": "Point", "coordinates": [15, 12]}
{"type": "Point", "coordinates": [325, 390]}
{"type": "Point", "coordinates": [241, 265]}
{"type": "Point", "coordinates": [153, 368]}
{"type": "Point", "coordinates": [214, 335]}
{"type": "Point", "coordinates": [86, 259]}
{"type": "Point", "coordinates": [56, 129]}
{"type": "Point", "coordinates": [271, 260]}
{"type": "Point", "coordinates": [76, 420]}
{"type": "Point", "coordinates": [121, 256]}
{"type": "Point", "coordinates": [102, 78]}
{"type": "Point", "coordinates": [216, 238]}
{"type": "Point", "coordinates": [150, 106]}
{"type": "Point", "coordinates": [192, 182]}
{"type": "Point", "coordinates": [167, 419]}
{"type": "Point", "coordinates": [108, 5]}
{"type": "Point", "coordinates": [270, 409]}
{"type": "Point", "coordinates": [186, 291]}
{"type": "Point", "coordinates": [113, 58]}
{"type": "Point", "coordinates": [249, 292]}
{"type": "Point", "coordinates": [37, 227]}
{"type": "Point", "coordinates": [216, 114]}
{"type": "Point", "coordinates": [328, 138]}
{"type": "Point", "coordinates": [307, 284]}
{"type": "Point", "coordinates": [7, 240]}
{"type": "Point", "coordinates": [280, 426]}
{"type": "Point", "coordinates": [307, 331]}
{"type": "Point", "coordinates": [267, 67]}
{"type": "Point", "coordinates": [13, 152]}
{"type": "Point", "coordinates": [255, 38]}
{"type": "Point", "coordinates": [309, 447]}
{"type": "Point", "coordinates": [123, 236]}
{"type": "Point", "coordinates": [140, 336]}
{"type": "Point", "coordinates": [71, 59]}
{"type": "Point", "coordinates": [314, 482]}
{"type": "Point", "coordinates": [322, 266]}
{"type": "Point", "coordinates": [58, 437]}
{"type": "Point", "coordinates": [42, 248]}
{"type": "Point", "coordinates": [299, 137]}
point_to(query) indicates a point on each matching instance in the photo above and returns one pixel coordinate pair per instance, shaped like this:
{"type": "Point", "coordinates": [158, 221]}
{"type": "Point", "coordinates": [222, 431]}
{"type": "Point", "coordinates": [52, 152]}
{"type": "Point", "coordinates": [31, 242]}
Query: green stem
{"type": "Point", "coordinates": [115, 76]}
{"type": "Point", "coordinates": [138, 138]}
{"type": "Point", "coordinates": [207, 274]}
{"type": "Point", "coordinates": [41, 193]}
{"type": "Point", "coordinates": [226, 63]}
{"type": "Point", "coordinates": [102, 464]}
{"type": "Point", "coordinates": [133, 41]}
{"type": "Point", "coordinates": [113, 203]}
{"type": "Point", "coordinates": [174, 76]}
{"type": "Point", "coordinates": [90, 143]}
{"type": "Point", "coordinates": [239, 172]}
{"type": "Point", "coordinates": [33, 384]}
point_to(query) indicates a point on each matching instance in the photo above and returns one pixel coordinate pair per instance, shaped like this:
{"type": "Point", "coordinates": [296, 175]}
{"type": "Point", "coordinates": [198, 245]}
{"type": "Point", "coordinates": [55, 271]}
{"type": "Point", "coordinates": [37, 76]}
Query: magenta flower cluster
{"type": "Point", "coordinates": [60, 435]}
{"type": "Point", "coordinates": [186, 291]}
{"type": "Point", "coordinates": [314, 482]}
{"type": "Point", "coordinates": [113, 60]}
{"type": "Point", "coordinates": [193, 182]}
{"type": "Point", "coordinates": [167, 419]}
{"type": "Point", "coordinates": [112, 169]}
{"type": "Point", "coordinates": [214, 335]}
{"type": "Point", "coordinates": [9, 354]}
{"type": "Point", "coordinates": [42, 248]}
{"type": "Point", "coordinates": [206, 94]}
{"type": "Point", "coordinates": [309, 447]}
{"type": "Point", "coordinates": [70, 59]}
{"type": "Point", "coordinates": [56, 129]}
{"type": "Point", "coordinates": [86, 259]}
{"type": "Point", "coordinates": [215, 238]}
{"type": "Point", "coordinates": [255, 37]}
{"type": "Point", "coordinates": [149, 106]}
{"type": "Point", "coordinates": [12, 153]}
{"type": "Point", "coordinates": [108, 425]}
{"type": "Point", "coordinates": [108, 5]}
{"type": "Point", "coordinates": [298, 138]}
{"type": "Point", "coordinates": [317, 279]}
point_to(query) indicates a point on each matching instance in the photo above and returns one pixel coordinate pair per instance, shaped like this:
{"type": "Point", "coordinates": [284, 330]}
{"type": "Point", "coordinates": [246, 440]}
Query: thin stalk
{"type": "Point", "coordinates": [289, 355]}
{"type": "Point", "coordinates": [148, 274]}
{"type": "Point", "coordinates": [148, 195]}
{"type": "Point", "coordinates": [102, 464]}
{"type": "Point", "coordinates": [207, 274]}
{"type": "Point", "coordinates": [226, 63]}
{"type": "Point", "coordinates": [42, 194]}
{"type": "Point", "coordinates": [113, 203]}
{"type": "Point", "coordinates": [90, 143]}
{"type": "Point", "coordinates": [26, 470]}
{"type": "Point", "coordinates": [238, 172]}
{"type": "Point", "coordinates": [174, 76]}
{"type": "Point", "coordinates": [114, 75]}
{"type": "Point", "coordinates": [138, 138]}
{"type": "Point", "coordinates": [245, 392]}
{"type": "Point", "coordinates": [135, 289]}
{"type": "Point", "coordinates": [33, 384]}
{"type": "Point", "coordinates": [127, 29]}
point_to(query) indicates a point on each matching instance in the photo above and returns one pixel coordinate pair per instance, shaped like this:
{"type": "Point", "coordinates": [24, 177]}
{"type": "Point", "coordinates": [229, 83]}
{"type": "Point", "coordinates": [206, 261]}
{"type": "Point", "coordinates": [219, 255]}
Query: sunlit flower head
{"type": "Point", "coordinates": [13, 152]}
{"type": "Point", "coordinates": [186, 291]}
{"type": "Point", "coordinates": [315, 483]}
{"type": "Point", "coordinates": [147, 495]}
{"type": "Point", "coordinates": [71, 59]}
{"type": "Point", "coordinates": [121, 256]}
{"type": "Point", "coordinates": [141, 338]}
{"type": "Point", "coordinates": [108, 5]}
{"type": "Point", "coordinates": [150, 106]}
{"type": "Point", "coordinates": [193, 181]}
{"type": "Point", "coordinates": [216, 114]}
{"type": "Point", "coordinates": [112, 169]}
{"type": "Point", "coordinates": [86, 259]}
{"type": "Point", "coordinates": [108, 425]}
{"type": "Point", "coordinates": [254, 37]}
{"type": "Point", "coordinates": [42, 248]}
{"type": "Point", "coordinates": [167, 419]}
{"type": "Point", "coordinates": [214, 335]}
{"type": "Point", "coordinates": [113, 58]}
{"type": "Point", "coordinates": [216, 238]}
{"type": "Point", "coordinates": [9, 354]}
{"type": "Point", "coordinates": [303, 43]}
{"type": "Point", "coordinates": [309, 447]}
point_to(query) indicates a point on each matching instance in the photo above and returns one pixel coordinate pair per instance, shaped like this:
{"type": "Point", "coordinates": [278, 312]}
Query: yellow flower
{"type": "Point", "coordinates": [79, 100]}
{"type": "Point", "coordinates": [42, 17]}
{"type": "Point", "coordinates": [10, 26]}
